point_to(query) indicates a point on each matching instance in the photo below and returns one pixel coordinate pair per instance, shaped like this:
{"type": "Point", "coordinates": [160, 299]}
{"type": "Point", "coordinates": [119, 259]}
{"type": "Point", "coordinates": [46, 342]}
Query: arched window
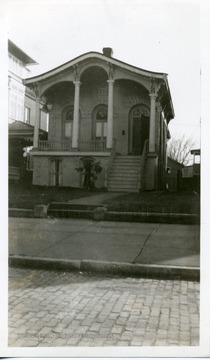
{"type": "Point", "coordinates": [68, 115]}
{"type": "Point", "coordinates": [100, 122]}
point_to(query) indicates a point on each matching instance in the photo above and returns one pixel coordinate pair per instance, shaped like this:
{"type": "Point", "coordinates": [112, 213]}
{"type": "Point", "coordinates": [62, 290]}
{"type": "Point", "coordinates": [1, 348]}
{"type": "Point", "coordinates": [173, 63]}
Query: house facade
{"type": "Point", "coordinates": [174, 174]}
{"type": "Point", "coordinates": [108, 123]}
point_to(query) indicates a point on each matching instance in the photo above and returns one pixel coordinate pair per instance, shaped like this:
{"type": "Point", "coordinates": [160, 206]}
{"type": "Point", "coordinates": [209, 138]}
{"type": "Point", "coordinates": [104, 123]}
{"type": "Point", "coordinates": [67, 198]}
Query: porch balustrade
{"type": "Point", "coordinates": [54, 145]}
{"type": "Point", "coordinates": [92, 145]}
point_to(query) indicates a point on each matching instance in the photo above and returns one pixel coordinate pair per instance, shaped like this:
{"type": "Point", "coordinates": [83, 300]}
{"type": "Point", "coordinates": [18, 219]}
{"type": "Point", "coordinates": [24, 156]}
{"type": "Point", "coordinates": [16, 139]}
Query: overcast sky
{"type": "Point", "coordinates": [154, 35]}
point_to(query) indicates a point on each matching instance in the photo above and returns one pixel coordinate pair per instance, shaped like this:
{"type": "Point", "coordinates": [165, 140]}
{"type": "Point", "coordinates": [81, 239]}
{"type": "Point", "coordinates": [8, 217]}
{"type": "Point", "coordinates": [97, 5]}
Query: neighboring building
{"type": "Point", "coordinates": [187, 171]}
{"type": "Point", "coordinates": [196, 162]}
{"type": "Point", "coordinates": [174, 174]}
{"type": "Point", "coordinates": [20, 144]}
{"type": "Point", "coordinates": [22, 105]}
{"type": "Point", "coordinates": [22, 100]}
{"type": "Point", "coordinates": [191, 173]}
{"type": "Point", "coordinates": [107, 119]}
{"type": "Point", "coordinates": [193, 170]}
{"type": "Point", "coordinates": [17, 71]}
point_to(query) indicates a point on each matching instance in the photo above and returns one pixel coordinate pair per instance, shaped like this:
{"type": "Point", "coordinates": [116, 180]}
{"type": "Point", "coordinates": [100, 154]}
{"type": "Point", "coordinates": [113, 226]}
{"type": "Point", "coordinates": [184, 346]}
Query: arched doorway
{"type": "Point", "coordinates": [138, 128]}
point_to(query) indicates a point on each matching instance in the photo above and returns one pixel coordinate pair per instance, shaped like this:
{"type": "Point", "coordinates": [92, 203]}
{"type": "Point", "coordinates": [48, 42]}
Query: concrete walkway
{"type": "Point", "coordinates": [148, 244]}
{"type": "Point", "coordinates": [96, 199]}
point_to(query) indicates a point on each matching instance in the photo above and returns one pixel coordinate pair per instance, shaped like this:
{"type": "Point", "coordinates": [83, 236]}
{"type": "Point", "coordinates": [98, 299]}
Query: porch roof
{"type": "Point", "coordinates": [21, 129]}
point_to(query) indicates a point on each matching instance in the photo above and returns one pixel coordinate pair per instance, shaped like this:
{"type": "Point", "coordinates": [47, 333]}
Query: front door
{"type": "Point", "coordinates": [138, 129]}
{"type": "Point", "coordinates": [136, 139]}
{"type": "Point", "coordinates": [140, 132]}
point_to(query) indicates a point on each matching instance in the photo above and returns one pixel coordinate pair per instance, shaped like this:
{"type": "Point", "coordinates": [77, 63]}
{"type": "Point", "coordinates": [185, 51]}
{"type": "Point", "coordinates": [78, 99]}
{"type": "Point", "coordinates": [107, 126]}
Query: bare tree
{"type": "Point", "coordinates": [179, 149]}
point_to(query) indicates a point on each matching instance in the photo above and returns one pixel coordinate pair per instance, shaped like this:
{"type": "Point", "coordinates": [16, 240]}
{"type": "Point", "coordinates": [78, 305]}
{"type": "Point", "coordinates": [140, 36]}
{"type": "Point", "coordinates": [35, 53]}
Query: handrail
{"type": "Point", "coordinates": [110, 162]}
{"type": "Point", "coordinates": [143, 157]}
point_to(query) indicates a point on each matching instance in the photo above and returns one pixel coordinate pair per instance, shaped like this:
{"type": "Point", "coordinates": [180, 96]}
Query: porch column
{"type": "Point", "coordinates": [75, 131]}
{"type": "Point", "coordinates": [36, 125]}
{"type": "Point", "coordinates": [152, 123]}
{"type": "Point", "coordinates": [109, 139]}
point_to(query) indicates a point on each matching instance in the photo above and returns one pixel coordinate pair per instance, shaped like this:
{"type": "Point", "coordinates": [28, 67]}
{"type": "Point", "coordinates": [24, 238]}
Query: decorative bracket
{"type": "Point", "coordinates": [43, 100]}
{"type": "Point", "coordinates": [155, 87]}
{"type": "Point", "coordinates": [76, 72]}
{"type": "Point", "coordinates": [111, 71]}
{"type": "Point", "coordinates": [36, 90]}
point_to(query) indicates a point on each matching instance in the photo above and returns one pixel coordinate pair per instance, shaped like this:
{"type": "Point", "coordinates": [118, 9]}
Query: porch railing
{"type": "Point", "coordinates": [47, 145]}
{"type": "Point", "coordinates": [92, 145]}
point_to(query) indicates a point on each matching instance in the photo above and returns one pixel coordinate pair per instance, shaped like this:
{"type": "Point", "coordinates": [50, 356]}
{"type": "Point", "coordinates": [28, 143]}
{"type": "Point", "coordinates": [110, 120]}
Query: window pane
{"type": "Point", "coordinates": [102, 113]}
{"type": "Point", "coordinates": [98, 129]}
{"type": "Point", "coordinates": [105, 129]}
{"type": "Point", "coordinates": [27, 115]}
{"type": "Point", "coordinates": [68, 127]}
{"type": "Point", "coordinates": [70, 114]}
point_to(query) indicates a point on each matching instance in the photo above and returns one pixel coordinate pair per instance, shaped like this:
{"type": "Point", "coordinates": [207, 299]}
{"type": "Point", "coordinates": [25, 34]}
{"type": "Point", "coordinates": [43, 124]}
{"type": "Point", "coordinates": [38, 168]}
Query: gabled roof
{"type": "Point", "coordinates": [175, 161]}
{"type": "Point", "coordinates": [20, 54]}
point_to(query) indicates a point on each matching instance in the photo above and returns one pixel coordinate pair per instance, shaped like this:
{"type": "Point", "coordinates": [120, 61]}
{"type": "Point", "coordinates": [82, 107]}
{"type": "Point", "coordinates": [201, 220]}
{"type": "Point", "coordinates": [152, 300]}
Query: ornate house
{"type": "Point", "coordinates": [108, 124]}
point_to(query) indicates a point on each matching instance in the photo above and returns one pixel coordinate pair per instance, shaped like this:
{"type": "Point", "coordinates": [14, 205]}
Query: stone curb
{"type": "Point", "coordinates": [25, 213]}
{"type": "Point", "coordinates": [115, 268]}
{"type": "Point", "coordinates": [165, 218]}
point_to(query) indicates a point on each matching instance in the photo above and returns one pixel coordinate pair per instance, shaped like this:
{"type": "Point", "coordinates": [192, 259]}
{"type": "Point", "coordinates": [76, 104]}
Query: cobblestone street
{"type": "Point", "coordinates": [49, 308]}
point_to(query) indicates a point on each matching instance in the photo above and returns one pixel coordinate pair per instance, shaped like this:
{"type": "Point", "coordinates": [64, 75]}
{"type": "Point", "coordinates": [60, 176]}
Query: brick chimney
{"type": "Point", "coordinates": [107, 51]}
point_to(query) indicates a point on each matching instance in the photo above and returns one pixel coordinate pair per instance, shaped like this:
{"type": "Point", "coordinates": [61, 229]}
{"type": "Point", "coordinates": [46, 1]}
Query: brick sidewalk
{"type": "Point", "coordinates": [49, 308]}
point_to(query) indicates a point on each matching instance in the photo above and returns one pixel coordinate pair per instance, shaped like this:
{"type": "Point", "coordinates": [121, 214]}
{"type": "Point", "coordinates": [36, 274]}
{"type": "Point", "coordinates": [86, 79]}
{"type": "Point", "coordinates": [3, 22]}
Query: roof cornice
{"type": "Point", "coordinates": [99, 56]}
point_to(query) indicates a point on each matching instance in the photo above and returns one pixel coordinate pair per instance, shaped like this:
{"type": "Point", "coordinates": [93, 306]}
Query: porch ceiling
{"type": "Point", "coordinates": [58, 90]}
